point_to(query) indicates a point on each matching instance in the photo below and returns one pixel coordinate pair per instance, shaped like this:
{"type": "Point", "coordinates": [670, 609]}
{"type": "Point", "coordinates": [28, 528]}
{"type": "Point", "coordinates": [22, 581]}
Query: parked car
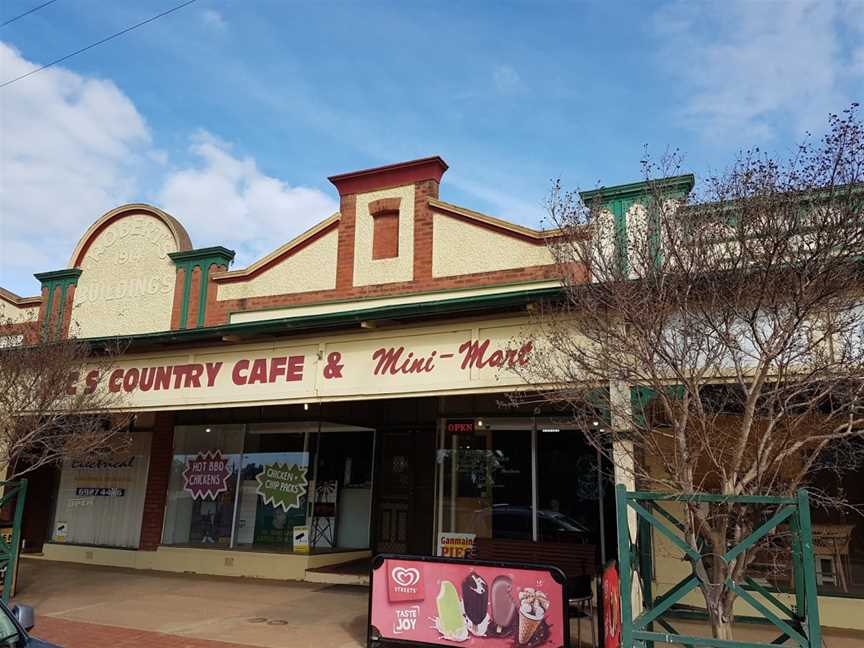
{"type": "Point", "coordinates": [514, 522]}
{"type": "Point", "coordinates": [14, 624]}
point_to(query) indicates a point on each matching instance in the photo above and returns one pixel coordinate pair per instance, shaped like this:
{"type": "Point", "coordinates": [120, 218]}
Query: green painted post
{"type": "Point", "coordinates": [797, 571]}
{"type": "Point", "coordinates": [12, 566]}
{"type": "Point", "coordinates": [626, 573]}
{"type": "Point", "coordinates": [814, 630]}
{"type": "Point", "coordinates": [646, 567]}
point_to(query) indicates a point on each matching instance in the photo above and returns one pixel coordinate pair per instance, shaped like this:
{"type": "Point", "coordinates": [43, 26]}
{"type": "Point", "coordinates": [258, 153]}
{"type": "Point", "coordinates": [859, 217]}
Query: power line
{"type": "Point", "coordinates": [97, 43]}
{"type": "Point", "coordinates": [27, 13]}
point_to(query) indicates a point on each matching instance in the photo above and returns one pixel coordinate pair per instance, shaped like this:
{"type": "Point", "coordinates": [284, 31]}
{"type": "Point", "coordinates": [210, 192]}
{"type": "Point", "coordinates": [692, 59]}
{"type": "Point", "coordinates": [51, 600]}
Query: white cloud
{"type": "Point", "coordinates": [214, 20]}
{"type": "Point", "coordinates": [746, 67]}
{"type": "Point", "coordinates": [227, 200]}
{"type": "Point", "coordinates": [506, 78]}
{"type": "Point", "coordinates": [69, 150]}
{"type": "Point", "coordinates": [72, 147]}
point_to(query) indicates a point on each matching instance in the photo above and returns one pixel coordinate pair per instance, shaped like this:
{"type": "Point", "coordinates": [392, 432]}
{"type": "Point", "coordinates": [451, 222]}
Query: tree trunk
{"type": "Point", "coordinates": [720, 615]}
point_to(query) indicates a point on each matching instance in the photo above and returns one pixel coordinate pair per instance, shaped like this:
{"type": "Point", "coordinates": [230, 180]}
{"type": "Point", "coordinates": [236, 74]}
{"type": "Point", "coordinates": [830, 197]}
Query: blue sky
{"type": "Point", "coordinates": [231, 114]}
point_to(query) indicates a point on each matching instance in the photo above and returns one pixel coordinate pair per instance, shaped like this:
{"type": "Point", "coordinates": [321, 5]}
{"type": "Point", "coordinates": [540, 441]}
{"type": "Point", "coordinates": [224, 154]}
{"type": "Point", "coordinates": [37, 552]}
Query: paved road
{"type": "Point", "coordinates": [73, 634]}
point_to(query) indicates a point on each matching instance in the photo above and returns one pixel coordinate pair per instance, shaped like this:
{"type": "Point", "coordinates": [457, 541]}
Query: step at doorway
{"type": "Point", "coordinates": [354, 572]}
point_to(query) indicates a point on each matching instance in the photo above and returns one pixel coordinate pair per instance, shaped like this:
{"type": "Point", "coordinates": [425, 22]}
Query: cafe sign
{"type": "Point", "coordinates": [340, 367]}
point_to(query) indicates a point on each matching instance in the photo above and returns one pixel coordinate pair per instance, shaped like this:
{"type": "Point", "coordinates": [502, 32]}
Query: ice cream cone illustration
{"type": "Point", "coordinates": [532, 610]}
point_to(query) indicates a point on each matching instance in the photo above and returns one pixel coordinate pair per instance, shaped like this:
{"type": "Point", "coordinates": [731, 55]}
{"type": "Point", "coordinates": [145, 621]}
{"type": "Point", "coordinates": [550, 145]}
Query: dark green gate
{"type": "Point", "coordinates": [12, 506]}
{"type": "Point", "coordinates": [798, 625]}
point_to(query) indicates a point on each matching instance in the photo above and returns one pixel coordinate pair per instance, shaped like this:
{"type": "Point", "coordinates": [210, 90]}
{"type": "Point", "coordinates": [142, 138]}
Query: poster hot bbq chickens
{"type": "Point", "coordinates": [440, 602]}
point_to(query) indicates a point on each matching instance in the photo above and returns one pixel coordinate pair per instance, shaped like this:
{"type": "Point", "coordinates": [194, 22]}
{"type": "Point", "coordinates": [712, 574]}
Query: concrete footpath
{"type": "Point", "coordinates": [240, 612]}
{"type": "Point", "coordinates": [85, 606]}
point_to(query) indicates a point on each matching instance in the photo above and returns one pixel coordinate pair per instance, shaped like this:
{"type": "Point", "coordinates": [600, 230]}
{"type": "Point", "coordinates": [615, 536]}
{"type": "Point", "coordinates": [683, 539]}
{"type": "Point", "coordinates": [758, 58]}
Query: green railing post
{"type": "Point", "coordinates": [19, 492]}
{"type": "Point", "coordinates": [646, 568]}
{"type": "Point", "coordinates": [624, 567]}
{"type": "Point", "coordinates": [797, 571]}
{"type": "Point", "coordinates": [814, 630]}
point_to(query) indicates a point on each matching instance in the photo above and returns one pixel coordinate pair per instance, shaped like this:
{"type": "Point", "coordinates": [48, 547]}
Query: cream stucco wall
{"type": "Point", "coordinates": [12, 314]}
{"type": "Point", "coordinates": [311, 268]}
{"type": "Point", "coordinates": [401, 268]}
{"type": "Point", "coordinates": [127, 280]}
{"type": "Point", "coordinates": [248, 564]}
{"type": "Point", "coordinates": [462, 248]}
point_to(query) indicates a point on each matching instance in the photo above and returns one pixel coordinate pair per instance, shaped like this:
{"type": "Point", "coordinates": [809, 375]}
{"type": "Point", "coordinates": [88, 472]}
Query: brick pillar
{"type": "Point", "coordinates": [161, 451]}
{"type": "Point", "coordinates": [423, 191]}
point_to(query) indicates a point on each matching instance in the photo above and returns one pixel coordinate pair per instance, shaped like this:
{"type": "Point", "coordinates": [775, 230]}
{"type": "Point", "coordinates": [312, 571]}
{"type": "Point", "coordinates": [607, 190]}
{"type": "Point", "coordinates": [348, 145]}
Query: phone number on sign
{"type": "Point", "coordinates": [100, 492]}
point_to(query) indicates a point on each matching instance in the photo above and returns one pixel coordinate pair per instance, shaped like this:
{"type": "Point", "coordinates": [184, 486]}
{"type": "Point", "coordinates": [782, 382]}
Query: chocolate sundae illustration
{"type": "Point", "coordinates": [451, 618]}
{"type": "Point", "coordinates": [503, 607]}
{"type": "Point", "coordinates": [475, 600]}
{"type": "Point", "coordinates": [533, 605]}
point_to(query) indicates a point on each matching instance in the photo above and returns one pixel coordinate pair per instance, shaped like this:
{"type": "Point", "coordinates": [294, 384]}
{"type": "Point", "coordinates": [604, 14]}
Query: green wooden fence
{"type": "Point", "coordinates": [14, 495]}
{"type": "Point", "coordinates": [798, 624]}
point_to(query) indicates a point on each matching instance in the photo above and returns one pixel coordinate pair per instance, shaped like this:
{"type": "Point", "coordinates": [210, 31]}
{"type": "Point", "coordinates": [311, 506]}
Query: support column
{"type": "Point", "coordinates": [621, 412]}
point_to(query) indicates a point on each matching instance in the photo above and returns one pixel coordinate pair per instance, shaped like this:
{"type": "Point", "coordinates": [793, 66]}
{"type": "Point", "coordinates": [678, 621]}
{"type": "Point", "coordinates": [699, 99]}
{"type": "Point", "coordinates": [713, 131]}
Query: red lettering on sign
{"type": "Point", "coordinates": [115, 381]}
{"type": "Point", "coordinates": [91, 381]}
{"type": "Point", "coordinates": [474, 355]}
{"type": "Point", "coordinates": [237, 376]}
{"type": "Point", "coordinates": [390, 360]}
{"type": "Point", "coordinates": [295, 368]}
{"type": "Point", "coordinates": [259, 371]}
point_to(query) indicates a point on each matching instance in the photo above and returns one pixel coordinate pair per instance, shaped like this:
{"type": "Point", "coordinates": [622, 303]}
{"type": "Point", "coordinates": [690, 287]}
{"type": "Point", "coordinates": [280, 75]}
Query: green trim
{"type": "Point", "coordinates": [287, 325]}
{"type": "Point", "coordinates": [50, 281]}
{"type": "Point", "coordinates": [360, 300]}
{"type": "Point", "coordinates": [9, 553]}
{"type": "Point", "coordinates": [67, 274]}
{"type": "Point", "coordinates": [203, 259]}
{"type": "Point", "coordinates": [619, 199]}
{"type": "Point", "coordinates": [217, 252]}
{"type": "Point", "coordinates": [677, 186]}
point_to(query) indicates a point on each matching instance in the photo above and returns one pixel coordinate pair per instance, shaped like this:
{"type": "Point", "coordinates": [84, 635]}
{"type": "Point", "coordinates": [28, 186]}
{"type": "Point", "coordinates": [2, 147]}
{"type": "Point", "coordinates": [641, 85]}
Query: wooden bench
{"type": "Point", "coordinates": [577, 561]}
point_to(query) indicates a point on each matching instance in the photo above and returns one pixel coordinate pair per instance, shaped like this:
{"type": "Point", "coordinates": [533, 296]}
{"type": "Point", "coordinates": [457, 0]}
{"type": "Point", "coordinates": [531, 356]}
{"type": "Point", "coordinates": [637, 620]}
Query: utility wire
{"type": "Point", "coordinates": [27, 13]}
{"type": "Point", "coordinates": [97, 43]}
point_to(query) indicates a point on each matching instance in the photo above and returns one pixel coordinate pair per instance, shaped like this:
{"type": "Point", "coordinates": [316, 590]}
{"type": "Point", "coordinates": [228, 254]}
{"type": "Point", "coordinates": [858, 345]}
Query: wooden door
{"type": "Point", "coordinates": [395, 489]}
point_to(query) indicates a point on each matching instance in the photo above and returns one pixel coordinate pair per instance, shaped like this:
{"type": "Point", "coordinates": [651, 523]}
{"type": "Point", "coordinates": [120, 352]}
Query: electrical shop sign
{"type": "Point", "coordinates": [484, 358]}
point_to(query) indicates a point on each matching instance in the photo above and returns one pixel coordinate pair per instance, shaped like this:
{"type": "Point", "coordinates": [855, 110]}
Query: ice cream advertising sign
{"type": "Point", "coordinates": [444, 602]}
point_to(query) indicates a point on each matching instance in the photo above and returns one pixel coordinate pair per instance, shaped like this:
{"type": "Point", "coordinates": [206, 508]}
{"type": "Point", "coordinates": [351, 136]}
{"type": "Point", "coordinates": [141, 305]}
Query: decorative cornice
{"type": "Point", "coordinates": [216, 254]}
{"type": "Point", "coordinates": [67, 275]}
{"type": "Point", "coordinates": [677, 187]}
{"type": "Point", "coordinates": [391, 175]}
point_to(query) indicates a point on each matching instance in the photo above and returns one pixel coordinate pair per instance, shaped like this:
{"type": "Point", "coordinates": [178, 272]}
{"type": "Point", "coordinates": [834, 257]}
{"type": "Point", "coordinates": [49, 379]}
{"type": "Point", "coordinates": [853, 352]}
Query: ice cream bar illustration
{"type": "Point", "coordinates": [532, 610]}
{"type": "Point", "coordinates": [503, 607]}
{"type": "Point", "coordinates": [451, 621]}
{"type": "Point", "coordinates": [475, 600]}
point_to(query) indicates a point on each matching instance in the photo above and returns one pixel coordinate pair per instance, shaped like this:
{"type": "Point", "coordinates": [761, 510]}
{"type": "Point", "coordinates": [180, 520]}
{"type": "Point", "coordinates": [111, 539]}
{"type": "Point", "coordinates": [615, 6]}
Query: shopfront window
{"type": "Point", "coordinates": [485, 482]}
{"type": "Point", "coordinates": [203, 485]}
{"type": "Point", "coordinates": [101, 502]}
{"type": "Point", "coordinates": [296, 486]}
{"type": "Point", "coordinates": [487, 488]}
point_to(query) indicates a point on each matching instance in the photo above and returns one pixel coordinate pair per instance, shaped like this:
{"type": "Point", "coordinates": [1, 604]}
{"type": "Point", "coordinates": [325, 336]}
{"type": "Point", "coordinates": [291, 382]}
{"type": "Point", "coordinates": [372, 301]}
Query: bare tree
{"type": "Point", "coordinates": [734, 318]}
{"type": "Point", "coordinates": [51, 406]}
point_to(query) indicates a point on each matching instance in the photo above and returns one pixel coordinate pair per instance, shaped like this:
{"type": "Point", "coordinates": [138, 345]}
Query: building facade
{"type": "Point", "coordinates": [347, 386]}
{"type": "Point", "coordinates": [345, 395]}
